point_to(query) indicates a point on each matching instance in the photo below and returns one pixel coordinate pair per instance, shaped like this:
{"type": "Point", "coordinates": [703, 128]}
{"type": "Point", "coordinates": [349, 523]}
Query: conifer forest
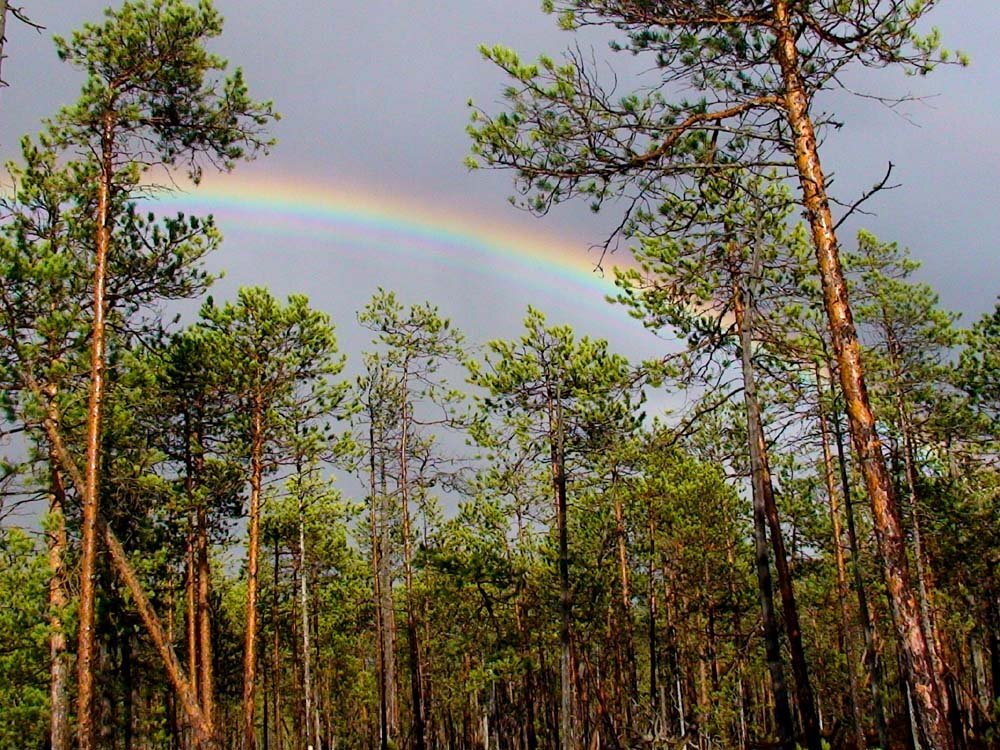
{"type": "Point", "coordinates": [220, 529]}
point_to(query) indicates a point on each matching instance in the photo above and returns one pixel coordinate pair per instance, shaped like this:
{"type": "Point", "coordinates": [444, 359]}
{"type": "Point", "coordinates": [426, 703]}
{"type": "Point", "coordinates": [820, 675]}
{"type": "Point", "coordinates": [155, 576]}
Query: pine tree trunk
{"type": "Point", "coordinates": [95, 410]}
{"type": "Point", "coordinates": [760, 485]}
{"type": "Point", "coordinates": [871, 658]}
{"type": "Point", "coordinates": [838, 550]}
{"type": "Point", "coordinates": [304, 607]}
{"type": "Point", "coordinates": [58, 601]}
{"type": "Point", "coordinates": [416, 677]}
{"type": "Point", "coordinates": [206, 676]}
{"type": "Point", "coordinates": [567, 740]}
{"type": "Point", "coordinates": [3, 33]}
{"type": "Point", "coordinates": [931, 704]}
{"type": "Point", "coordinates": [253, 554]}
{"type": "Point", "coordinates": [161, 641]}
{"type": "Point", "coordinates": [651, 640]}
{"type": "Point", "coordinates": [191, 609]}
{"type": "Point", "coordinates": [381, 636]}
{"type": "Point", "coordinates": [745, 312]}
{"type": "Point", "coordinates": [627, 639]}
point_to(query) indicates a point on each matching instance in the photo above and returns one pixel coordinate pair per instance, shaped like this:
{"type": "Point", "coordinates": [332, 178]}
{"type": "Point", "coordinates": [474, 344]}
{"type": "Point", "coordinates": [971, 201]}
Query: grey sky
{"type": "Point", "coordinates": [374, 94]}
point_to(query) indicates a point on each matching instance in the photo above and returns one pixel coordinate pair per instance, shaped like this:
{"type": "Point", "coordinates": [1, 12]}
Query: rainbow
{"type": "Point", "coordinates": [358, 218]}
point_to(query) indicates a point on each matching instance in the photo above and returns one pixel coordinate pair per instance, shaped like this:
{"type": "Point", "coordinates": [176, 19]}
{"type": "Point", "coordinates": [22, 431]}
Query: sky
{"type": "Point", "coordinates": [366, 187]}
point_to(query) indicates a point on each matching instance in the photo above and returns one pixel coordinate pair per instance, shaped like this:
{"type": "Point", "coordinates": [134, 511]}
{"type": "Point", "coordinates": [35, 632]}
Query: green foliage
{"type": "Point", "coordinates": [153, 84]}
{"type": "Point", "coordinates": [979, 365]}
{"type": "Point", "coordinates": [279, 358]}
{"type": "Point", "coordinates": [548, 369]}
{"type": "Point", "coordinates": [24, 637]}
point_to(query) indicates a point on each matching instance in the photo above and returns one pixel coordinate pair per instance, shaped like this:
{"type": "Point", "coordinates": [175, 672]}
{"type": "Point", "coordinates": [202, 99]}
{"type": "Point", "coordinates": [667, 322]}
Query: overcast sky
{"type": "Point", "coordinates": [373, 96]}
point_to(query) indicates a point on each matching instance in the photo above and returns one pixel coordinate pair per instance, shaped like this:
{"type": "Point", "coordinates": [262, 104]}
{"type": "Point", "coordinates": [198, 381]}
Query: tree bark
{"type": "Point", "coordinates": [191, 609]}
{"type": "Point", "coordinates": [304, 608]}
{"type": "Point", "coordinates": [380, 630]}
{"type": "Point", "coordinates": [762, 492]}
{"type": "Point", "coordinates": [931, 704]}
{"type": "Point", "coordinates": [871, 658]}
{"type": "Point", "coordinates": [838, 551]}
{"type": "Point", "coordinates": [253, 554]}
{"type": "Point", "coordinates": [276, 720]}
{"type": "Point", "coordinates": [566, 722]}
{"type": "Point", "coordinates": [382, 585]}
{"type": "Point", "coordinates": [59, 733]}
{"type": "Point", "coordinates": [3, 35]}
{"type": "Point", "coordinates": [161, 641]}
{"type": "Point", "coordinates": [95, 409]}
{"type": "Point", "coordinates": [416, 677]}
{"type": "Point", "coordinates": [206, 676]}
{"type": "Point", "coordinates": [175, 673]}
{"type": "Point", "coordinates": [627, 641]}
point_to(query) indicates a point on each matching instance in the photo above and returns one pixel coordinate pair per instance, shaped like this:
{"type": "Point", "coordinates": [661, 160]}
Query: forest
{"type": "Point", "coordinates": [219, 530]}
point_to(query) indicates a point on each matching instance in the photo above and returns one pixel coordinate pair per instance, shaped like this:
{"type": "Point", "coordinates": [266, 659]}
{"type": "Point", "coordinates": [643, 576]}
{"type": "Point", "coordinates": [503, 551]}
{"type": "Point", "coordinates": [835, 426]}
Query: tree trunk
{"type": "Point", "coordinates": [304, 607]}
{"type": "Point", "coordinates": [199, 572]}
{"type": "Point", "coordinates": [175, 673]}
{"type": "Point", "coordinates": [3, 35]}
{"type": "Point", "coordinates": [161, 641]}
{"type": "Point", "coordinates": [931, 704]}
{"type": "Point", "coordinates": [654, 667]}
{"type": "Point", "coordinates": [253, 553]}
{"type": "Point", "coordinates": [761, 490]}
{"type": "Point", "coordinates": [745, 312]}
{"type": "Point", "coordinates": [95, 409]}
{"type": "Point", "coordinates": [416, 678]}
{"type": "Point", "coordinates": [58, 601]}
{"type": "Point", "coordinates": [276, 719]}
{"type": "Point", "coordinates": [566, 723]}
{"type": "Point", "coordinates": [871, 658]}
{"type": "Point", "coordinates": [838, 550]}
{"type": "Point", "coordinates": [206, 676]}
{"type": "Point", "coordinates": [385, 615]}
{"type": "Point", "coordinates": [627, 640]}
{"type": "Point", "coordinates": [191, 609]}
{"type": "Point", "coordinates": [377, 584]}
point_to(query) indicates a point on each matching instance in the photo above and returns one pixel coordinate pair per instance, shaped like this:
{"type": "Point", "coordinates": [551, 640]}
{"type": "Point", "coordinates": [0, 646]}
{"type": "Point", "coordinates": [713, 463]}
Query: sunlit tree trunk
{"type": "Point", "coordinates": [253, 554]}
{"type": "Point", "coordinates": [931, 702]}
{"type": "Point", "coordinates": [92, 462]}
{"type": "Point", "coordinates": [206, 676]}
{"type": "Point", "coordinates": [871, 656]}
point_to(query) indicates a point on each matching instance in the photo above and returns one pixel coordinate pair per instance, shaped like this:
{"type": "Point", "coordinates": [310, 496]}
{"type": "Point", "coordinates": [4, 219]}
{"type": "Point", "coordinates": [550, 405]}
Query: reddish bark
{"type": "Point", "coordinates": [95, 408]}
{"type": "Point", "coordinates": [253, 555]}
{"type": "Point", "coordinates": [931, 704]}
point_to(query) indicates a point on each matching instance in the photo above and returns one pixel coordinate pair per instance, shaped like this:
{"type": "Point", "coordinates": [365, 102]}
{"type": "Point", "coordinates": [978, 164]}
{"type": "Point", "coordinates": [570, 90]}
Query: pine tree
{"type": "Point", "coordinates": [152, 98]}
{"type": "Point", "coordinates": [417, 343]}
{"type": "Point", "coordinates": [281, 359]}
{"type": "Point", "coordinates": [556, 397]}
{"type": "Point", "coordinates": [754, 70]}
